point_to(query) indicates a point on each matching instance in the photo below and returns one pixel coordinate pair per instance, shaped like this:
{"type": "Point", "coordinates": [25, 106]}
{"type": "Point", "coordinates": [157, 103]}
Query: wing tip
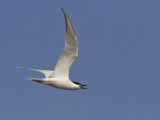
{"type": "Point", "coordinates": [62, 9]}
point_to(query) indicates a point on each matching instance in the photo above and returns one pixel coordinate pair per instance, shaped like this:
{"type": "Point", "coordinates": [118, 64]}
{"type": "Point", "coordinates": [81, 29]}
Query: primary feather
{"type": "Point", "coordinates": [70, 51]}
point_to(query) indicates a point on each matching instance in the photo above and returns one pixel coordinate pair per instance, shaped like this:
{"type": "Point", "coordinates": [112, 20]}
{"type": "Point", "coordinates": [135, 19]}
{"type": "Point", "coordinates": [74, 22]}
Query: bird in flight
{"type": "Point", "coordinates": [59, 77]}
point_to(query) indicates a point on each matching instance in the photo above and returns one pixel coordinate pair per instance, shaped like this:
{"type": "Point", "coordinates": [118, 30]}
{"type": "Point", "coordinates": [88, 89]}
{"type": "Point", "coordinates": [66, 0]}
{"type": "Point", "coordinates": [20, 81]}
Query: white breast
{"type": "Point", "coordinates": [62, 83]}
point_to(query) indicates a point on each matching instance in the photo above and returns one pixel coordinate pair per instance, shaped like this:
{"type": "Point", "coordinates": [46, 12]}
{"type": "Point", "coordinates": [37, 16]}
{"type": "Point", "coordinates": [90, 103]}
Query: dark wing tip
{"type": "Point", "coordinates": [62, 9]}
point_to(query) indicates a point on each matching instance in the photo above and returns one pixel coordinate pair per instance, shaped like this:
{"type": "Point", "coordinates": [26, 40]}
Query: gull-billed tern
{"type": "Point", "coordinates": [59, 77]}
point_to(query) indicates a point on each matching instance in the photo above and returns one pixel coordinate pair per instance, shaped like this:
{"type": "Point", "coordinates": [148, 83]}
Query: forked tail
{"type": "Point", "coordinates": [47, 73]}
{"type": "Point", "coordinates": [39, 80]}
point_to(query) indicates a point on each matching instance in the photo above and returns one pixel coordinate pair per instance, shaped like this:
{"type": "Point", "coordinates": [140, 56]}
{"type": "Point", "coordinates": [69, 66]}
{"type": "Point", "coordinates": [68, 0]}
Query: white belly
{"type": "Point", "coordinates": [61, 84]}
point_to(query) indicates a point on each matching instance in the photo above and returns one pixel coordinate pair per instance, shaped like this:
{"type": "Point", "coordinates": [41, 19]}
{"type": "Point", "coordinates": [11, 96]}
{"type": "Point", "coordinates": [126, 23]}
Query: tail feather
{"type": "Point", "coordinates": [47, 73]}
{"type": "Point", "coordinates": [40, 80]}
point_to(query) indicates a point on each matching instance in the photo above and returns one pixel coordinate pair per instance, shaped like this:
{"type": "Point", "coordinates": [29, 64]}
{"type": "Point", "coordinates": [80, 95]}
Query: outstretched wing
{"type": "Point", "coordinates": [70, 52]}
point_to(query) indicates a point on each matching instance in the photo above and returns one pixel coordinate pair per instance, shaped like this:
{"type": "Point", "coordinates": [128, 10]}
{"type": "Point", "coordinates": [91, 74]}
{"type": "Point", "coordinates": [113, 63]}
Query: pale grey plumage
{"type": "Point", "coordinates": [70, 52]}
{"type": "Point", "coordinates": [59, 78]}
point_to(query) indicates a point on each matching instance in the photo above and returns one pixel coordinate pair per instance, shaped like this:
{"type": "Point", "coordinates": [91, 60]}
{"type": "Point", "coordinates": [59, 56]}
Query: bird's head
{"type": "Point", "coordinates": [81, 86]}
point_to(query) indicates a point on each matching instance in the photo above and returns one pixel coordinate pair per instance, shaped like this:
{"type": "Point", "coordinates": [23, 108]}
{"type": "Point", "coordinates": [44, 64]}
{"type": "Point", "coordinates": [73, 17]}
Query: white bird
{"type": "Point", "coordinates": [59, 78]}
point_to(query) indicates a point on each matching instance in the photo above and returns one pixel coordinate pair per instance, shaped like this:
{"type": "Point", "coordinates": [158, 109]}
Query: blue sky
{"type": "Point", "coordinates": [119, 59]}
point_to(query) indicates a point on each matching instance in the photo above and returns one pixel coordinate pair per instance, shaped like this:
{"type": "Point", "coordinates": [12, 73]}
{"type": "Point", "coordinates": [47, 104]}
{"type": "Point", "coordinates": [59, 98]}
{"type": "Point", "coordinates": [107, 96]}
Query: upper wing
{"type": "Point", "coordinates": [70, 52]}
